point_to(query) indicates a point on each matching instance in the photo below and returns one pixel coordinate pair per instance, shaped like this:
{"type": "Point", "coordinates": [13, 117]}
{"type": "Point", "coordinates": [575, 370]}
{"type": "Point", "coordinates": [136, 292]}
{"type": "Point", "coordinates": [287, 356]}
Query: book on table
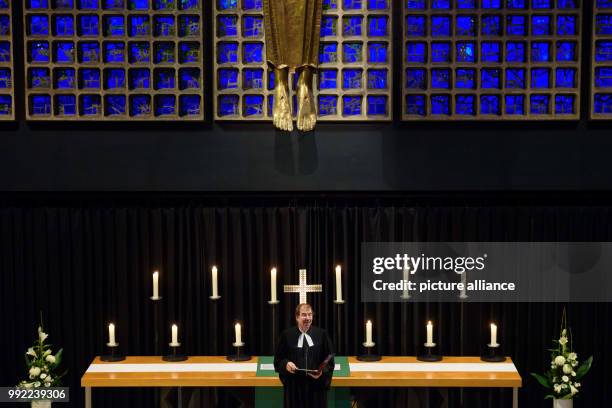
{"type": "Point", "coordinates": [321, 366]}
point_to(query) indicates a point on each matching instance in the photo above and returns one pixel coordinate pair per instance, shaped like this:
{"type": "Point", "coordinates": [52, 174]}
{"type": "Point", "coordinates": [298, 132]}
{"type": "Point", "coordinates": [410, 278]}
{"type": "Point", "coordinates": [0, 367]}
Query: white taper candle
{"type": "Point", "coordinates": [338, 283]}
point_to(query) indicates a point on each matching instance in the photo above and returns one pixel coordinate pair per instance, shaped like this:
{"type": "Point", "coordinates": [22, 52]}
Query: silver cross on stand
{"type": "Point", "coordinates": [303, 288]}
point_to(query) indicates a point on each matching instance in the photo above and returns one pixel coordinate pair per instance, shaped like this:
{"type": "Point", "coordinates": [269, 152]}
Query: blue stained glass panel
{"type": "Point", "coordinates": [329, 26]}
{"type": "Point", "coordinates": [65, 105]}
{"type": "Point", "coordinates": [515, 104]}
{"type": "Point", "coordinates": [491, 4]}
{"type": "Point", "coordinates": [113, 4]}
{"type": "Point", "coordinates": [253, 78]}
{"type": "Point", "coordinates": [377, 105]}
{"type": "Point", "coordinates": [140, 105]}
{"type": "Point", "coordinates": [540, 51]}
{"type": "Point", "coordinates": [64, 78]}
{"type": "Point", "coordinates": [89, 25]}
{"type": "Point", "coordinates": [5, 78]}
{"type": "Point", "coordinates": [63, 4]}
{"type": "Point", "coordinates": [115, 105]}
{"type": "Point", "coordinates": [164, 4]}
{"type": "Point", "coordinates": [6, 105]}
{"type": "Point", "coordinates": [114, 26]}
{"type": "Point", "coordinates": [416, 78]}
{"type": "Point", "coordinates": [603, 51]}
{"type": "Point", "coordinates": [515, 51]}
{"type": "Point", "coordinates": [351, 105]}
{"type": "Point", "coordinates": [189, 105]}
{"type": "Point", "coordinates": [564, 104]}
{"type": "Point", "coordinates": [38, 4]}
{"type": "Point", "coordinates": [39, 78]}
{"type": "Point", "coordinates": [253, 105]}
{"type": "Point", "coordinates": [227, 26]}
{"type": "Point", "coordinates": [440, 26]}
{"type": "Point", "coordinates": [227, 53]}
{"type": "Point", "coordinates": [491, 25]}
{"type": "Point", "coordinates": [441, 78]}
{"type": "Point", "coordinates": [466, 4]}
{"type": "Point", "coordinates": [566, 25]}
{"type": "Point", "coordinates": [377, 52]}
{"type": "Point", "coordinates": [415, 26]}
{"type": "Point", "coordinates": [189, 52]}
{"type": "Point", "coordinates": [515, 78]}
{"type": "Point", "coordinates": [163, 26]}
{"type": "Point", "coordinates": [466, 52]}
{"type": "Point", "coordinates": [253, 26]}
{"type": "Point", "coordinates": [604, 4]}
{"type": "Point", "coordinates": [465, 78]}
{"type": "Point", "coordinates": [540, 25]}
{"type": "Point", "coordinates": [566, 51]}
{"type": "Point", "coordinates": [540, 78]}
{"type": "Point", "coordinates": [165, 105]}
{"type": "Point", "coordinates": [466, 26]}
{"type": "Point", "coordinates": [352, 78]}
{"type": "Point", "coordinates": [566, 77]}
{"type": "Point", "coordinates": [227, 4]}
{"type": "Point", "coordinates": [440, 104]}
{"type": "Point", "coordinates": [330, 4]}
{"type": "Point", "coordinates": [5, 51]}
{"type": "Point", "coordinates": [91, 105]}
{"type": "Point", "coordinates": [415, 4]}
{"type": "Point", "coordinates": [440, 4]}
{"type": "Point", "coordinates": [189, 26]}
{"type": "Point", "coordinates": [139, 52]}
{"type": "Point", "coordinates": [227, 78]}
{"type": "Point", "coordinates": [114, 78]}
{"type": "Point", "coordinates": [89, 52]}
{"type": "Point", "coordinates": [567, 4]}
{"type": "Point", "coordinates": [63, 52]}
{"type": "Point", "coordinates": [603, 103]}
{"type": "Point", "coordinates": [5, 25]}
{"type": "Point", "coordinates": [465, 105]}
{"type": "Point", "coordinates": [352, 52]}
{"type": "Point", "coordinates": [114, 52]}
{"type": "Point", "coordinates": [516, 4]}
{"type": "Point", "coordinates": [189, 78]}
{"type": "Point", "coordinates": [351, 25]}
{"type": "Point", "coordinates": [164, 79]}
{"type": "Point", "coordinates": [539, 104]}
{"type": "Point", "coordinates": [328, 105]}
{"type": "Point", "coordinates": [378, 5]}
{"type": "Point", "coordinates": [39, 51]}
{"type": "Point", "coordinates": [254, 5]}
{"type": "Point", "coordinates": [328, 79]}
{"type": "Point", "coordinates": [490, 78]}
{"type": "Point", "coordinates": [38, 24]}
{"type": "Point", "coordinates": [516, 25]}
{"type": "Point", "coordinates": [416, 52]}
{"type": "Point", "coordinates": [377, 26]}
{"type": "Point", "coordinates": [40, 105]}
{"type": "Point", "coordinates": [328, 53]}
{"type": "Point", "coordinates": [415, 105]}
{"type": "Point", "coordinates": [352, 4]}
{"type": "Point", "coordinates": [377, 79]}
{"type": "Point", "coordinates": [490, 51]}
{"type": "Point", "coordinates": [603, 77]}
{"type": "Point", "coordinates": [252, 53]}
{"type": "Point", "coordinates": [64, 26]}
{"type": "Point", "coordinates": [164, 52]}
{"type": "Point", "coordinates": [440, 52]}
{"type": "Point", "coordinates": [89, 78]}
{"type": "Point", "coordinates": [228, 105]}
{"type": "Point", "coordinates": [490, 105]}
{"type": "Point", "coordinates": [603, 24]}
{"type": "Point", "coordinates": [542, 4]}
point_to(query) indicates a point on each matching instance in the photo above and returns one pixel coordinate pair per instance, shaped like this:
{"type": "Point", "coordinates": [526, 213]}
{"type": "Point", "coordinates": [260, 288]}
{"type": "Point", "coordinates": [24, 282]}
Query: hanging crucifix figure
{"type": "Point", "coordinates": [292, 44]}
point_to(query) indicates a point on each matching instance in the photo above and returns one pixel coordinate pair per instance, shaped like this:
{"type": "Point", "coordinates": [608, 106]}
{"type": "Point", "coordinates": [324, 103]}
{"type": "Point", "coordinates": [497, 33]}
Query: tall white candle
{"type": "Point", "coordinates": [155, 284]}
{"type": "Point", "coordinates": [174, 334]}
{"type": "Point", "coordinates": [273, 285]}
{"type": "Point", "coordinates": [493, 334]}
{"type": "Point", "coordinates": [111, 334]}
{"type": "Point", "coordinates": [338, 283]}
{"type": "Point", "coordinates": [238, 330]}
{"type": "Point", "coordinates": [215, 287]}
{"type": "Point", "coordinates": [369, 332]}
{"type": "Point", "coordinates": [429, 333]}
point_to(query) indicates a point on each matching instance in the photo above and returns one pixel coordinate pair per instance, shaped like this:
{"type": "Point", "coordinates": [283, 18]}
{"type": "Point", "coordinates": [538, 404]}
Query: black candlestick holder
{"type": "Point", "coordinates": [369, 356]}
{"type": "Point", "coordinates": [174, 356]}
{"type": "Point", "coordinates": [492, 355]}
{"type": "Point", "coordinates": [238, 356]}
{"type": "Point", "coordinates": [113, 355]}
{"type": "Point", "coordinates": [429, 356]}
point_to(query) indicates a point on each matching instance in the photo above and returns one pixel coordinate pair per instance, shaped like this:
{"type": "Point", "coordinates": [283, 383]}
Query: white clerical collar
{"type": "Point", "coordinates": [301, 339]}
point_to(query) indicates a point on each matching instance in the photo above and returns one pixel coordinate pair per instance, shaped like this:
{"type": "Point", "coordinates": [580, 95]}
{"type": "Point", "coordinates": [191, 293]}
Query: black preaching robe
{"type": "Point", "coordinates": [301, 390]}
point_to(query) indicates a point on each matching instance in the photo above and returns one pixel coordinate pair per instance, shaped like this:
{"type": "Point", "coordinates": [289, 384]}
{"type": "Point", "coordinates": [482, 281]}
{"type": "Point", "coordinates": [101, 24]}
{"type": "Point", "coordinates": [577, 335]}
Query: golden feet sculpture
{"type": "Point", "coordinates": [282, 117]}
{"type": "Point", "coordinates": [307, 111]}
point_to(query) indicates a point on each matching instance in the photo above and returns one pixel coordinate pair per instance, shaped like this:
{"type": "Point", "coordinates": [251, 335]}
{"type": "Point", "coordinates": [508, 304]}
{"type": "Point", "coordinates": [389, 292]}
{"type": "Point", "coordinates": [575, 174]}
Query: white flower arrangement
{"type": "Point", "coordinates": [563, 378]}
{"type": "Point", "coordinates": [42, 365]}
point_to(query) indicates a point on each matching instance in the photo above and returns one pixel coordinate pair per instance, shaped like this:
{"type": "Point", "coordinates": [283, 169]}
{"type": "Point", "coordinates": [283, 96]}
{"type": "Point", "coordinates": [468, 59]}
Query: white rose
{"type": "Point", "coordinates": [567, 369]}
{"type": "Point", "coordinates": [43, 376]}
{"type": "Point", "coordinates": [50, 358]}
{"type": "Point", "coordinates": [563, 341]}
{"type": "Point", "coordinates": [560, 360]}
{"type": "Point", "coordinates": [565, 378]}
{"type": "Point", "coordinates": [35, 371]}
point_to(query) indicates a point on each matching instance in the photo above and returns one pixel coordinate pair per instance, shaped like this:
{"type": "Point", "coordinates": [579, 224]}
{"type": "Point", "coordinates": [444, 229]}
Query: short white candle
{"type": "Point", "coordinates": [215, 288]}
{"type": "Point", "coordinates": [338, 283]}
{"type": "Point", "coordinates": [174, 334]}
{"type": "Point", "coordinates": [493, 335]}
{"type": "Point", "coordinates": [155, 285]}
{"type": "Point", "coordinates": [273, 285]}
{"type": "Point", "coordinates": [111, 335]}
{"type": "Point", "coordinates": [429, 333]}
{"type": "Point", "coordinates": [238, 330]}
{"type": "Point", "coordinates": [369, 332]}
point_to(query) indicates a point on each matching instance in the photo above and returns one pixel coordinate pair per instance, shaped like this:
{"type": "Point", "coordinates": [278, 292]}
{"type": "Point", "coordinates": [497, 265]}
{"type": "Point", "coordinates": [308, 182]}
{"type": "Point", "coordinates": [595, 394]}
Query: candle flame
{"type": "Point", "coordinates": [429, 323]}
{"type": "Point", "coordinates": [338, 268]}
{"type": "Point", "coordinates": [111, 325]}
{"type": "Point", "coordinates": [369, 322]}
{"type": "Point", "coordinates": [273, 270]}
{"type": "Point", "coordinates": [214, 268]}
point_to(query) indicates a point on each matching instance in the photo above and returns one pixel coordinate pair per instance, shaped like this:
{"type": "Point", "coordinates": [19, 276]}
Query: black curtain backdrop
{"type": "Point", "coordinates": [85, 262]}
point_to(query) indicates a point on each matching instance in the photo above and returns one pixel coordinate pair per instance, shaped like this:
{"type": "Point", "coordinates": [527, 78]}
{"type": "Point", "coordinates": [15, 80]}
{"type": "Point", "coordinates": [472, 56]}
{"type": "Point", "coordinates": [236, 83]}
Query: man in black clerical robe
{"type": "Point", "coordinates": [299, 348]}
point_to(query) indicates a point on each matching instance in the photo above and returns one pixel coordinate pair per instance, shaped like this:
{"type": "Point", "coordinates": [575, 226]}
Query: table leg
{"type": "Point", "coordinates": [515, 397]}
{"type": "Point", "coordinates": [87, 397]}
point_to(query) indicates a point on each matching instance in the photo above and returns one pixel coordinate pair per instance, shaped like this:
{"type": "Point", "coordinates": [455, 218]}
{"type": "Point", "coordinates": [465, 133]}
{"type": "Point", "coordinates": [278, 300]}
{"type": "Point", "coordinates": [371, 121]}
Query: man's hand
{"type": "Point", "coordinates": [316, 375]}
{"type": "Point", "coordinates": [291, 367]}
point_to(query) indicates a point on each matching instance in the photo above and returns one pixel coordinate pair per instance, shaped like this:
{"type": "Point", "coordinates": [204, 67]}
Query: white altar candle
{"type": "Point", "coordinates": [493, 335]}
{"type": "Point", "coordinates": [111, 335]}
{"type": "Point", "coordinates": [429, 333]}
{"type": "Point", "coordinates": [338, 283]}
{"type": "Point", "coordinates": [155, 285]}
{"type": "Point", "coordinates": [215, 288]}
{"type": "Point", "coordinates": [273, 285]}
{"type": "Point", "coordinates": [369, 332]}
{"type": "Point", "coordinates": [174, 334]}
{"type": "Point", "coordinates": [238, 330]}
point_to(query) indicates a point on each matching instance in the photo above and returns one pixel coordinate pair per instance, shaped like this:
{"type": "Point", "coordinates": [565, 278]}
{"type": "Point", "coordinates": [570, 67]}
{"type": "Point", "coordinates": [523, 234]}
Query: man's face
{"type": "Point", "coordinates": [304, 319]}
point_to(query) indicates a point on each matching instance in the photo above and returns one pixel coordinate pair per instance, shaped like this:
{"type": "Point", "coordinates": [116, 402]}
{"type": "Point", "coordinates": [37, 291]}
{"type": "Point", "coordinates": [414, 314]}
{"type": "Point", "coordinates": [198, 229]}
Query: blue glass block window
{"type": "Point", "coordinates": [38, 4]}
{"type": "Point", "coordinates": [252, 5]}
{"type": "Point", "coordinates": [39, 78]}
{"type": "Point", "coordinates": [466, 26]}
{"type": "Point", "coordinates": [516, 25]}
{"type": "Point", "coordinates": [440, 104]}
{"type": "Point", "coordinates": [515, 104]}
{"type": "Point", "coordinates": [327, 4]}
{"type": "Point", "coordinates": [416, 4]}
{"type": "Point", "coordinates": [352, 4]}
{"type": "Point", "coordinates": [328, 53]}
{"type": "Point", "coordinates": [465, 105]}
{"type": "Point", "coordinates": [227, 78]}
{"type": "Point", "coordinates": [440, 52]}
{"type": "Point", "coordinates": [490, 78]}
{"type": "Point", "coordinates": [603, 24]}
{"type": "Point", "coordinates": [377, 26]}
{"type": "Point", "coordinates": [63, 4]}
{"type": "Point", "coordinates": [189, 52]}
{"type": "Point", "coordinates": [253, 105]}
{"type": "Point", "coordinates": [441, 4]}
{"type": "Point", "coordinates": [377, 79]}
{"type": "Point", "coordinates": [415, 26]}
{"type": "Point", "coordinates": [253, 26]}
{"type": "Point", "coordinates": [378, 4]}
{"type": "Point", "coordinates": [189, 105]}
{"type": "Point", "coordinates": [352, 78]}
{"type": "Point", "coordinates": [165, 105]}
{"type": "Point", "coordinates": [566, 25]}
{"type": "Point", "coordinates": [89, 52]}
{"type": "Point", "coordinates": [491, 4]}
{"type": "Point", "coordinates": [490, 105]}
{"type": "Point", "coordinates": [91, 105]}
{"type": "Point", "coordinates": [441, 78]}
{"type": "Point", "coordinates": [114, 26]}
{"type": "Point", "coordinates": [540, 78]}
{"type": "Point", "coordinates": [566, 51]}
{"type": "Point", "coordinates": [89, 78]}
{"type": "Point", "coordinates": [516, 4]}
{"type": "Point", "coordinates": [252, 53]}
{"type": "Point", "coordinates": [253, 78]}
{"type": "Point", "coordinates": [38, 51]}
{"type": "Point", "coordinates": [65, 105]}
{"type": "Point", "coordinates": [603, 103]}
{"type": "Point", "coordinates": [351, 25]}
{"type": "Point", "coordinates": [515, 52]}
{"type": "Point", "coordinates": [5, 50]}
{"type": "Point", "coordinates": [5, 78]}
{"type": "Point", "coordinates": [63, 52]}
{"type": "Point", "coordinates": [138, 4]}
{"type": "Point", "coordinates": [416, 78]}
{"type": "Point", "coordinates": [491, 25]}
{"type": "Point", "coordinates": [164, 79]}
{"type": "Point", "coordinates": [539, 104]}
{"type": "Point", "coordinates": [540, 51]}
{"type": "Point", "coordinates": [603, 77]}
{"type": "Point", "coordinates": [227, 26]}
{"type": "Point", "coordinates": [351, 105]}
{"type": "Point", "coordinates": [604, 3]}
{"type": "Point", "coordinates": [114, 78]}
{"type": "Point", "coordinates": [189, 4]}
{"type": "Point", "coordinates": [542, 4]}
{"type": "Point", "coordinates": [603, 51]}
{"type": "Point", "coordinates": [466, 51]}
{"type": "Point", "coordinates": [540, 25]}
{"type": "Point", "coordinates": [377, 105]}
{"type": "Point", "coordinates": [6, 105]}
{"type": "Point", "coordinates": [440, 26]}
{"type": "Point", "coordinates": [567, 4]}
{"type": "Point", "coordinates": [329, 26]}
{"type": "Point", "coordinates": [89, 25]}
{"type": "Point", "coordinates": [415, 105]}
{"type": "Point", "coordinates": [564, 104]}
{"type": "Point", "coordinates": [490, 51]}
{"type": "Point", "coordinates": [65, 78]}
{"type": "Point", "coordinates": [227, 53]}
{"type": "Point", "coordinates": [139, 52]}
{"type": "Point", "coordinates": [38, 24]}
{"type": "Point", "coordinates": [164, 4]}
{"type": "Point", "coordinates": [163, 26]}
{"type": "Point", "coordinates": [328, 105]}
{"type": "Point", "coordinates": [466, 4]}
{"type": "Point", "coordinates": [5, 25]}
{"type": "Point", "coordinates": [416, 52]}
{"type": "Point", "coordinates": [114, 52]}
{"type": "Point", "coordinates": [140, 105]}
{"type": "Point", "coordinates": [40, 105]}
{"type": "Point", "coordinates": [113, 4]}
{"type": "Point", "coordinates": [328, 79]}
{"type": "Point", "coordinates": [64, 26]}
{"type": "Point", "coordinates": [465, 78]}
{"type": "Point", "coordinates": [189, 26]}
{"type": "Point", "coordinates": [515, 78]}
{"type": "Point", "coordinates": [189, 78]}
{"type": "Point", "coordinates": [164, 52]}
{"type": "Point", "coordinates": [566, 77]}
{"type": "Point", "coordinates": [377, 53]}
{"type": "Point", "coordinates": [228, 105]}
{"type": "Point", "coordinates": [115, 105]}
